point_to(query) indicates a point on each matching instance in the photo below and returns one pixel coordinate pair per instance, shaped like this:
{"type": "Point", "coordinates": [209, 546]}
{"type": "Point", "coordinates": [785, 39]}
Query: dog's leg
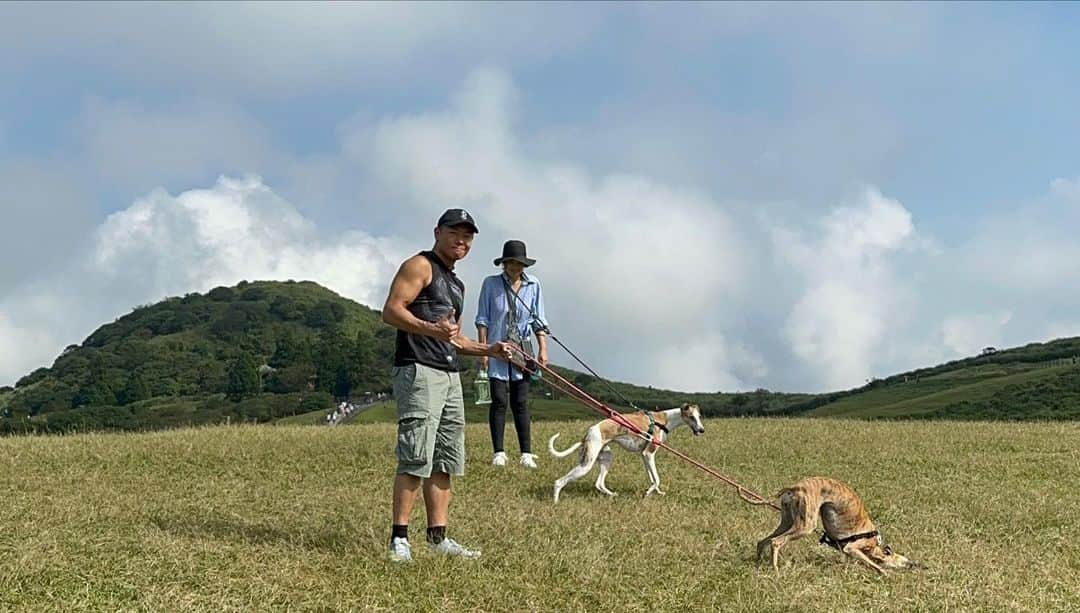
{"type": "Point", "coordinates": [861, 557]}
{"type": "Point", "coordinates": [589, 451]}
{"type": "Point", "coordinates": [655, 473]}
{"type": "Point", "coordinates": [776, 544]}
{"type": "Point", "coordinates": [649, 460]}
{"type": "Point", "coordinates": [786, 521]}
{"type": "Point", "coordinates": [800, 519]}
{"type": "Point", "coordinates": [604, 459]}
{"type": "Point", "coordinates": [648, 473]}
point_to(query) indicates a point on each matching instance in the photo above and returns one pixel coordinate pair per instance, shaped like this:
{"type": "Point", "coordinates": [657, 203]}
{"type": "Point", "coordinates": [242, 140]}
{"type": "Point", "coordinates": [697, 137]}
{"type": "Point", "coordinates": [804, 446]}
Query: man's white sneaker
{"type": "Point", "coordinates": [528, 460]}
{"type": "Point", "coordinates": [499, 459]}
{"type": "Point", "coordinates": [450, 547]}
{"type": "Point", "coordinates": [400, 550]}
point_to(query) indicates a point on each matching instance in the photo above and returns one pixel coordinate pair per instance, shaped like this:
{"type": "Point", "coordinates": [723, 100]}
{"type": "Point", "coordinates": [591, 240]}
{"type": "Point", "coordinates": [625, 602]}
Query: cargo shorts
{"type": "Point", "coordinates": [431, 421]}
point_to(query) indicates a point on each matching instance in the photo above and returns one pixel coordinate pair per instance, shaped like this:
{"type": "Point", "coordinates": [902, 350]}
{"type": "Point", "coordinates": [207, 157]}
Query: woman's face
{"type": "Point", "coordinates": [513, 268]}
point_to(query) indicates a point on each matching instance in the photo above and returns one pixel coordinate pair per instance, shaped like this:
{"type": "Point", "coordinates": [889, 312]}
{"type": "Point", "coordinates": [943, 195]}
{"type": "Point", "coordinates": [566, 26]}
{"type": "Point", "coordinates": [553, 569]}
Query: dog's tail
{"type": "Point", "coordinates": [556, 452]}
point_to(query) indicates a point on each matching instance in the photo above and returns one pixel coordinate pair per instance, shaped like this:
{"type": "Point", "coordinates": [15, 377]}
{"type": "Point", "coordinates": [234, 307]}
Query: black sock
{"type": "Point", "coordinates": [436, 534]}
{"type": "Point", "coordinates": [399, 531]}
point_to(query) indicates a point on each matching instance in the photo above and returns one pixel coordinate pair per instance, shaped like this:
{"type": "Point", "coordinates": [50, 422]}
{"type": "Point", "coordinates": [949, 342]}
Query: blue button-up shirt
{"type": "Point", "coordinates": [493, 314]}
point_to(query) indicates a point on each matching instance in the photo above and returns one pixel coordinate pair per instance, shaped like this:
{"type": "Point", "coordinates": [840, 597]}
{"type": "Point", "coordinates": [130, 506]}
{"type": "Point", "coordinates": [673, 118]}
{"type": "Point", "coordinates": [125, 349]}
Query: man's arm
{"type": "Point", "coordinates": [410, 279]}
{"type": "Point", "coordinates": [467, 346]}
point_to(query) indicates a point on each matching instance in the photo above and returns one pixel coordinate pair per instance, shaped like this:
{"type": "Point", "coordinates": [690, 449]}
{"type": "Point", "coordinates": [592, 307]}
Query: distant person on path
{"type": "Point", "coordinates": [508, 302]}
{"type": "Point", "coordinates": [425, 304]}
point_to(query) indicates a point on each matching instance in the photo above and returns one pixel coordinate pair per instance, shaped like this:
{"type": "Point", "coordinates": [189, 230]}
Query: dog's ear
{"type": "Point", "coordinates": [888, 550]}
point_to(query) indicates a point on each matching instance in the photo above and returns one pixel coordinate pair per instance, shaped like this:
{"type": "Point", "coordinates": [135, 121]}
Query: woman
{"type": "Point", "coordinates": [504, 314]}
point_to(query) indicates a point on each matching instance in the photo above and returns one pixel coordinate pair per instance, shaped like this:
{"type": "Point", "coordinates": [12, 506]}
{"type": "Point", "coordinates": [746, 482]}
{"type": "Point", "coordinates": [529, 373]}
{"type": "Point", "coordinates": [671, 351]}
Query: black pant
{"type": "Point", "coordinates": [517, 392]}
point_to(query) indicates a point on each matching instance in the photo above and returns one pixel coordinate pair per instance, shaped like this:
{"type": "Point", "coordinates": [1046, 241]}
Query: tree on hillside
{"type": "Point", "coordinates": [290, 349]}
{"type": "Point", "coordinates": [95, 393]}
{"type": "Point", "coordinates": [331, 361]}
{"type": "Point", "coordinates": [362, 363]}
{"type": "Point", "coordinates": [243, 377]}
{"type": "Point", "coordinates": [286, 308]}
{"type": "Point", "coordinates": [135, 390]}
{"type": "Point", "coordinates": [325, 314]}
{"type": "Point", "coordinates": [221, 294]}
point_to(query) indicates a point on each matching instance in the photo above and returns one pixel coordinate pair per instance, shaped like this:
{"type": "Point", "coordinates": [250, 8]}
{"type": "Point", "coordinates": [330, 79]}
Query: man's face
{"type": "Point", "coordinates": [454, 241]}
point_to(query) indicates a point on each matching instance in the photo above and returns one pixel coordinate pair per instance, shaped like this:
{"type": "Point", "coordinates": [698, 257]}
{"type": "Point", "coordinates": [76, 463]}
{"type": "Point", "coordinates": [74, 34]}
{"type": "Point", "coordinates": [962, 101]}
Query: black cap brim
{"type": "Point", "coordinates": [464, 223]}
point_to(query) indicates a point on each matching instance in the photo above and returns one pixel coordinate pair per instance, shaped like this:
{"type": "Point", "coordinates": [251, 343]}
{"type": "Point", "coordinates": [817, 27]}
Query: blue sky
{"type": "Point", "coordinates": [721, 196]}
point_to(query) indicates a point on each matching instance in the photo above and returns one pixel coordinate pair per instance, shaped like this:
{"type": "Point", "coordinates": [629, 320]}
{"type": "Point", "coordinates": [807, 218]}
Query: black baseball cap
{"type": "Point", "coordinates": [458, 217]}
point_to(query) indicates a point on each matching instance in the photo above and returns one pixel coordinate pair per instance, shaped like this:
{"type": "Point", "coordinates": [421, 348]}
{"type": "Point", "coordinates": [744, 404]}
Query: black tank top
{"type": "Point", "coordinates": [445, 294]}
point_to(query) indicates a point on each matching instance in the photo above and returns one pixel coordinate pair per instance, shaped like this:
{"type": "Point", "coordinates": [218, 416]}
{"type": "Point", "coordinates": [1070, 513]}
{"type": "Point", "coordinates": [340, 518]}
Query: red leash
{"type": "Point", "coordinates": [560, 383]}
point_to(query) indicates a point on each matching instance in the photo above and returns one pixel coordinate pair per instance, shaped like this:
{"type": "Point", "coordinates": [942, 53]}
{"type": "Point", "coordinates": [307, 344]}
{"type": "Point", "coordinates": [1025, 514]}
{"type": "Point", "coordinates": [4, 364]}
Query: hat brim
{"type": "Point", "coordinates": [525, 261]}
{"type": "Point", "coordinates": [464, 223]}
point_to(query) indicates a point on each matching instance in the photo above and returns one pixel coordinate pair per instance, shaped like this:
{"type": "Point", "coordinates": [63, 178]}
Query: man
{"type": "Point", "coordinates": [425, 304]}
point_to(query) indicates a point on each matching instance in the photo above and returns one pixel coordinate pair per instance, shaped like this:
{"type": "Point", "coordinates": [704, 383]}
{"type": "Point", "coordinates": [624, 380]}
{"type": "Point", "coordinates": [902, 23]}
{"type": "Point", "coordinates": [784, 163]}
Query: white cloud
{"type": "Point", "coordinates": [166, 245]}
{"type": "Point", "coordinates": [969, 334]}
{"type": "Point", "coordinates": [239, 229]}
{"type": "Point", "coordinates": [23, 349]}
{"type": "Point", "coordinates": [1062, 329]}
{"type": "Point", "coordinates": [1068, 189]}
{"type": "Point", "coordinates": [851, 297]}
{"type": "Point", "coordinates": [633, 268]}
{"type": "Point", "coordinates": [1031, 248]}
{"type": "Point", "coordinates": [286, 48]}
{"type": "Point", "coordinates": [708, 363]}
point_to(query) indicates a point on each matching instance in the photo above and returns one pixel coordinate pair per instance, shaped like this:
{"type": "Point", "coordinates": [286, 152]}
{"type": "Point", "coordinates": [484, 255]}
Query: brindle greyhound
{"type": "Point", "coordinates": [595, 445]}
{"type": "Point", "coordinates": [847, 524]}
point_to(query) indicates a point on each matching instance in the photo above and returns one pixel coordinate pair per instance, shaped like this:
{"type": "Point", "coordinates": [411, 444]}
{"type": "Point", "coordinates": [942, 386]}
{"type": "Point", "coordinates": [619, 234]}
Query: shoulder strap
{"type": "Point", "coordinates": [511, 304]}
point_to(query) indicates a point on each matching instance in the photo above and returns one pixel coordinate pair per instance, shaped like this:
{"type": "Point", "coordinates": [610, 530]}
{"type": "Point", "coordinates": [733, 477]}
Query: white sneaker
{"type": "Point", "coordinates": [499, 459]}
{"type": "Point", "coordinates": [450, 547]}
{"type": "Point", "coordinates": [528, 460]}
{"type": "Point", "coordinates": [400, 550]}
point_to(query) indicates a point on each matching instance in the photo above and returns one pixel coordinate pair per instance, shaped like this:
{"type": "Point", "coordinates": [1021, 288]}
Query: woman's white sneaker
{"type": "Point", "coordinates": [499, 459]}
{"type": "Point", "coordinates": [528, 460]}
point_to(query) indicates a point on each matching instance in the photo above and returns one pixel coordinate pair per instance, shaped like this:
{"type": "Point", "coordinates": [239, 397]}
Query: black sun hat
{"type": "Point", "coordinates": [514, 250]}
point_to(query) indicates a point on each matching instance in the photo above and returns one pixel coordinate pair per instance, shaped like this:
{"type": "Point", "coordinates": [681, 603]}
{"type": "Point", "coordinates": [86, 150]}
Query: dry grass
{"type": "Point", "coordinates": [261, 518]}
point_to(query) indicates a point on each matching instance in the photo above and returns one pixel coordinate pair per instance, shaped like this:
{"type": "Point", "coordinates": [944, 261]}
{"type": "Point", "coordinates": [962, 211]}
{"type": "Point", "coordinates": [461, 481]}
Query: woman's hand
{"type": "Point", "coordinates": [542, 357]}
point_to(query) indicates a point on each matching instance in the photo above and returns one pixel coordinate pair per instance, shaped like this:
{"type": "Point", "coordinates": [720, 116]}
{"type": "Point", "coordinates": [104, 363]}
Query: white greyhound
{"type": "Point", "coordinates": [595, 445]}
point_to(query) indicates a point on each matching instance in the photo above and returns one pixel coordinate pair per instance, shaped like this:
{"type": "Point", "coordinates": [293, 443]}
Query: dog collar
{"type": "Point", "coordinates": [839, 544]}
{"type": "Point", "coordinates": [653, 424]}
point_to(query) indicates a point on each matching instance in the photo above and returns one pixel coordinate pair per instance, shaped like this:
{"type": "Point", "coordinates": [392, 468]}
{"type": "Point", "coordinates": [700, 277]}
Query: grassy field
{"type": "Point", "coordinates": [290, 517]}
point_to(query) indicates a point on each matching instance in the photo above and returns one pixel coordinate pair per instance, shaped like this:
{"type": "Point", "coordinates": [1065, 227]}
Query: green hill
{"type": "Point", "coordinates": [1034, 382]}
{"type": "Point", "coordinates": [259, 351]}
{"type": "Point", "coordinates": [253, 352]}
{"type": "Point", "coordinates": [265, 351]}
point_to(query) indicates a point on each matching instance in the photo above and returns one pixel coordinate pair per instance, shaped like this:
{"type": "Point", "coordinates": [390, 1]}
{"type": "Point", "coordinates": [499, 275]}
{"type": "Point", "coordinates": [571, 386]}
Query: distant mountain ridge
{"type": "Point", "coordinates": [267, 349]}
